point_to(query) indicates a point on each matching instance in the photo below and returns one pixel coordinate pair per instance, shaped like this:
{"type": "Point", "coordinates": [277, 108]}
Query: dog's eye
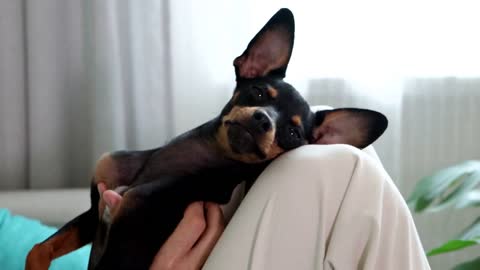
{"type": "Point", "coordinates": [257, 93]}
{"type": "Point", "coordinates": [294, 133]}
{"type": "Point", "coordinates": [292, 137]}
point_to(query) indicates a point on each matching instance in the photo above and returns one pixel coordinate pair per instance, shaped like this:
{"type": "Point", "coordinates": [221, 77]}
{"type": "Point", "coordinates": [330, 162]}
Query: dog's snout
{"type": "Point", "coordinates": [261, 122]}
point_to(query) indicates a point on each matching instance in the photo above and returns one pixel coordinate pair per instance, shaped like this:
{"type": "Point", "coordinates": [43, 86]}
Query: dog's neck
{"type": "Point", "coordinates": [188, 154]}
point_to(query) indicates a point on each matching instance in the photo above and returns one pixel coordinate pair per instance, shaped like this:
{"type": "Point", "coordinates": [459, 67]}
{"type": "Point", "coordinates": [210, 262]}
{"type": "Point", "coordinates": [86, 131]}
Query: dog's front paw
{"type": "Point", "coordinates": [39, 258]}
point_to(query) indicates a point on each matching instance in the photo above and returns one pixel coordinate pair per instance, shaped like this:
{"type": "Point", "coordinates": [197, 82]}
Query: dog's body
{"type": "Point", "coordinates": [265, 117]}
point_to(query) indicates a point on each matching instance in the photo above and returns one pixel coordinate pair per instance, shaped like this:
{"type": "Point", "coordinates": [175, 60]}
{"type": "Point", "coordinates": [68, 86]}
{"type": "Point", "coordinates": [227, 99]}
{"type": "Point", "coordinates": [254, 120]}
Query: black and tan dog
{"type": "Point", "coordinates": [264, 118]}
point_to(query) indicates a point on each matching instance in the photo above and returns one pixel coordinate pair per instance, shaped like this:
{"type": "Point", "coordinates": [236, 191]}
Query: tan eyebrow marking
{"type": "Point", "coordinates": [297, 120]}
{"type": "Point", "coordinates": [272, 92]}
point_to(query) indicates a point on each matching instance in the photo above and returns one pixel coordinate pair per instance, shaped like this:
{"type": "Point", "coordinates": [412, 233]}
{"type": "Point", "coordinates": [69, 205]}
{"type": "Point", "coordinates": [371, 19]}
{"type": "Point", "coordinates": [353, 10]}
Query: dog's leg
{"type": "Point", "coordinates": [75, 234]}
{"type": "Point", "coordinates": [114, 170]}
{"type": "Point", "coordinates": [121, 168]}
{"type": "Point", "coordinates": [72, 236]}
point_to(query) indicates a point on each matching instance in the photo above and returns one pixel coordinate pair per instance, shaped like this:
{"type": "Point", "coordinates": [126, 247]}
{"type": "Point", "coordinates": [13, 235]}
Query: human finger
{"type": "Point", "coordinates": [215, 226]}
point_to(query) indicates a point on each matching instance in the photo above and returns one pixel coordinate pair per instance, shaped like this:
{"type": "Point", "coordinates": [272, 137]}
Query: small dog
{"type": "Point", "coordinates": [264, 118]}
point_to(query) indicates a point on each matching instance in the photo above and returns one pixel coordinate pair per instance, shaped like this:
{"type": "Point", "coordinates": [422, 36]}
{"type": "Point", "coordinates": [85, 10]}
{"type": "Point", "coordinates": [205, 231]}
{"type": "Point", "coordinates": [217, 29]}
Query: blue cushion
{"type": "Point", "coordinates": [18, 235]}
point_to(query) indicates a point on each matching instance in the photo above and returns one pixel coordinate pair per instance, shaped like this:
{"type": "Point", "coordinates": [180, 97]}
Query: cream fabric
{"type": "Point", "coordinates": [321, 207]}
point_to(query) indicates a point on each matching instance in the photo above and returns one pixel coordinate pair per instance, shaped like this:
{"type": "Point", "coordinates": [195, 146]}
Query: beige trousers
{"type": "Point", "coordinates": [321, 207]}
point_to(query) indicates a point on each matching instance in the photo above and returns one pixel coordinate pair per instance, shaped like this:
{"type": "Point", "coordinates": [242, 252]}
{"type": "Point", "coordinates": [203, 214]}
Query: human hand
{"type": "Point", "coordinates": [192, 241]}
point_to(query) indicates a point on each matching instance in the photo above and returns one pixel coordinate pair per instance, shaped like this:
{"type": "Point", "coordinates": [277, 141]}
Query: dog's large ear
{"type": "Point", "coordinates": [357, 127]}
{"type": "Point", "coordinates": [269, 51]}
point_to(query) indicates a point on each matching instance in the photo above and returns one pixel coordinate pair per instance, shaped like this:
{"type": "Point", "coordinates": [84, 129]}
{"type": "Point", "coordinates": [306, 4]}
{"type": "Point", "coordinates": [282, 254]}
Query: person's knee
{"type": "Point", "coordinates": [320, 154]}
{"type": "Point", "coordinates": [314, 163]}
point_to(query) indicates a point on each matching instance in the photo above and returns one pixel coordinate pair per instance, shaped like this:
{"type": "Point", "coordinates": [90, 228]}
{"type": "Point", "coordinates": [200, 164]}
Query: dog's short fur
{"type": "Point", "coordinates": [264, 118]}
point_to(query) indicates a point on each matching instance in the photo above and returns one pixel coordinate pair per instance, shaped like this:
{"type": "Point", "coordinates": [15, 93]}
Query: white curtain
{"type": "Point", "coordinates": [78, 78]}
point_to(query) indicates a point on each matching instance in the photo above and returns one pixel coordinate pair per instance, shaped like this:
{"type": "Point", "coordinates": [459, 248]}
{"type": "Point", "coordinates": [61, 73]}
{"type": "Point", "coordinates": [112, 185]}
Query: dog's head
{"type": "Point", "coordinates": [267, 116]}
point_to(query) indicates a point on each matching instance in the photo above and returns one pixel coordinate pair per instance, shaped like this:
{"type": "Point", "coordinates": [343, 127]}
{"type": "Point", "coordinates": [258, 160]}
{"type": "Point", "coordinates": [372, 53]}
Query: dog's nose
{"type": "Point", "coordinates": [261, 122]}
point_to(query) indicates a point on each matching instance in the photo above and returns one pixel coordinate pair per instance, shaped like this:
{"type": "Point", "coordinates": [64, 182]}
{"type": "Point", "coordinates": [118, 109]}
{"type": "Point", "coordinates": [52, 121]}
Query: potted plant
{"type": "Point", "coordinates": [454, 187]}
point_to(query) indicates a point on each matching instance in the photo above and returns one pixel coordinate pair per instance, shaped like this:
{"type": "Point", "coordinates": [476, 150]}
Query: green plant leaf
{"type": "Point", "coordinates": [471, 199]}
{"type": "Point", "coordinates": [471, 265]}
{"type": "Point", "coordinates": [446, 187]}
{"type": "Point", "coordinates": [452, 245]}
{"type": "Point", "coordinates": [469, 237]}
{"type": "Point", "coordinates": [458, 192]}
